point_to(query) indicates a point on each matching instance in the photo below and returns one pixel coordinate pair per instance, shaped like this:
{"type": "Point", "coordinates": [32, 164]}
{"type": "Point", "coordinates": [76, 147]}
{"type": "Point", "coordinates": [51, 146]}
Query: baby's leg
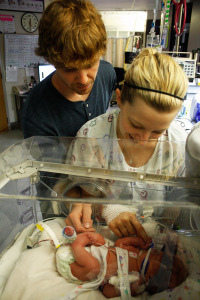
{"type": "Point", "coordinates": [87, 272]}
{"type": "Point", "coordinates": [85, 267]}
{"type": "Point", "coordinates": [88, 238]}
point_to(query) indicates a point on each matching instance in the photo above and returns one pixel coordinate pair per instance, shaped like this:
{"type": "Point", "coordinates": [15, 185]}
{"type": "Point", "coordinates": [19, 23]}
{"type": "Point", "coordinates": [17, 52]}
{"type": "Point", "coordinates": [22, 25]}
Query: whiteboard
{"type": "Point", "coordinates": [20, 51]}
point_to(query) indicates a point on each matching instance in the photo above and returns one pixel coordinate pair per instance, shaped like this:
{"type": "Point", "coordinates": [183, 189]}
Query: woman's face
{"type": "Point", "coordinates": [140, 122]}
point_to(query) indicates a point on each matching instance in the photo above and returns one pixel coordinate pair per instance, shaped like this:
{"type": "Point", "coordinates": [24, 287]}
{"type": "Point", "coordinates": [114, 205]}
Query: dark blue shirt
{"type": "Point", "coordinates": [47, 113]}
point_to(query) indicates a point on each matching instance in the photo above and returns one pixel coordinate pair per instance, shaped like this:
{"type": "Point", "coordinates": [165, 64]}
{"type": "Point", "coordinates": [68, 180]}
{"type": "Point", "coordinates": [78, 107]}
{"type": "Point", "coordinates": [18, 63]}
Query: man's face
{"type": "Point", "coordinates": [79, 81]}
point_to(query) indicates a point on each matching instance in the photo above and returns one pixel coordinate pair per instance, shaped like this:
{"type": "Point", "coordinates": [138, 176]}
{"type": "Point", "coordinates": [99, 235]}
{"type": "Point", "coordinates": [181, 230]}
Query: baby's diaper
{"type": "Point", "coordinates": [64, 257]}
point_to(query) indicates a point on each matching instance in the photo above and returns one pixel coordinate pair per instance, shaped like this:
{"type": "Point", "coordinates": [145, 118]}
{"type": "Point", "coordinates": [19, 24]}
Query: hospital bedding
{"type": "Point", "coordinates": [31, 274]}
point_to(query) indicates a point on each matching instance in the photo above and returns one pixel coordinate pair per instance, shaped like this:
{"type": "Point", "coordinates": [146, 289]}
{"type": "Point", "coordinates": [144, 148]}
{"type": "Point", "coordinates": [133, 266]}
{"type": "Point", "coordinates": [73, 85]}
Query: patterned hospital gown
{"type": "Point", "coordinates": [96, 146]}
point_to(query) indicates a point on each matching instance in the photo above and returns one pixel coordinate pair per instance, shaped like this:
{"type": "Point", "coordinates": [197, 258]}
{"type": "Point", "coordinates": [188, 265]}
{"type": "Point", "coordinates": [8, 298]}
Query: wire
{"type": "Point", "coordinates": [191, 220]}
{"type": "Point", "coordinates": [177, 15]}
{"type": "Point", "coordinates": [47, 240]}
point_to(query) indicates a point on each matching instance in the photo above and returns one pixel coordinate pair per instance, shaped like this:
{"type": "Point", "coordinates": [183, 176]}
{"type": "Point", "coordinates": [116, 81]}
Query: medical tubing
{"type": "Point", "coordinates": [41, 225]}
{"type": "Point", "coordinates": [144, 264]}
{"type": "Point", "coordinates": [122, 264]}
{"type": "Point", "coordinates": [177, 15]}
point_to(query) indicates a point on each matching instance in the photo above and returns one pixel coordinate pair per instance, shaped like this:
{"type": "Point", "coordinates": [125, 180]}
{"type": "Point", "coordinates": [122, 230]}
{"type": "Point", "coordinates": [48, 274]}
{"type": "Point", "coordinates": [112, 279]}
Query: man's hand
{"type": "Point", "coordinates": [80, 217]}
{"type": "Point", "coordinates": [126, 224]}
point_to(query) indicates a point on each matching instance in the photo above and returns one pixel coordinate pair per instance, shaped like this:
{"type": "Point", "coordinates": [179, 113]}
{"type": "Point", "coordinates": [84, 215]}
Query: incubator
{"type": "Point", "coordinates": [37, 180]}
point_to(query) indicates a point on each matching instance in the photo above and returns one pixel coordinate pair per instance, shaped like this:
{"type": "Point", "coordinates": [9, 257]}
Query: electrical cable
{"type": "Point", "coordinates": [177, 15]}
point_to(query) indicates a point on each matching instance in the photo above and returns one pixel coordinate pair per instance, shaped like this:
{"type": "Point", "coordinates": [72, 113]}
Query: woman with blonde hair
{"type": "Point", "coordinates": [157, 79]}
{"type": "Point", "coordinates": [149, 139]}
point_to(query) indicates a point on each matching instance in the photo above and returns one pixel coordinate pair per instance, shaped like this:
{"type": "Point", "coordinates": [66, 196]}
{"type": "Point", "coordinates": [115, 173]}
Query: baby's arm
{"type": "Point", "coordinates": [85, 267]}
{"type": "Point", "coordinates": [130, 243]}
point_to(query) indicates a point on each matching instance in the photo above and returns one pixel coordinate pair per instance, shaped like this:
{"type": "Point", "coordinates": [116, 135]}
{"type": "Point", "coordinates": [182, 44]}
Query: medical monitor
{"type": "Point", "coordinates": [44, 71]}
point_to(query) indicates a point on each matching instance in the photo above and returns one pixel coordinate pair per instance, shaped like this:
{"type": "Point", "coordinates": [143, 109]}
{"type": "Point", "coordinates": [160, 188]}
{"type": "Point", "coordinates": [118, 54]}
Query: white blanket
{"type": "Point", "coordinates": [32, 274]}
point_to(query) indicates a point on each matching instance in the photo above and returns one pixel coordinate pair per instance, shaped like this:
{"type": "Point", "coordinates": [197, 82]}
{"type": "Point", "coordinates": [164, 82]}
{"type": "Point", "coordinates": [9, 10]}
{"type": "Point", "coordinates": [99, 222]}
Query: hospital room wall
{"type": "Point", "coordinates": [7, 86]}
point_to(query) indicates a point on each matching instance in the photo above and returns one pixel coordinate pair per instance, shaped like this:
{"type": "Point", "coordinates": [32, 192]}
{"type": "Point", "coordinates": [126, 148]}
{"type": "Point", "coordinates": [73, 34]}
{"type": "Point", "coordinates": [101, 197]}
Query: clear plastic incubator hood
{"type": "Point", "coordinates": [42, 178]}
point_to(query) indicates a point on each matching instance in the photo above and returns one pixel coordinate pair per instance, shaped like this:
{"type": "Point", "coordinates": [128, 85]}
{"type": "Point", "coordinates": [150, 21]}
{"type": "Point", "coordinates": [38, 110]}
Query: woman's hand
{"type": "Point", "coordinates": [80, 214]}
{"type": "Point", "coordinates": [126, 224]}
{"type": "Point", "coordinates": [80, 217]}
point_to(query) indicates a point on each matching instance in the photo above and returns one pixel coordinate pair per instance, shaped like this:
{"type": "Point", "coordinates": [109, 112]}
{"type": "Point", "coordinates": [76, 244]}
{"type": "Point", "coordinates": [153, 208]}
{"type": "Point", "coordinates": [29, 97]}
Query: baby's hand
{"type": "Point", "coordinates": [146, 245]}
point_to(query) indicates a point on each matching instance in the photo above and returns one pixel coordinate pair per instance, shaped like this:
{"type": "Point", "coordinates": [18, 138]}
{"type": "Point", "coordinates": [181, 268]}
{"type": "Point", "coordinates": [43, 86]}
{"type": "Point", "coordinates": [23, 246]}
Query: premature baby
{"type": "Point", "coordinates": [129, 267]}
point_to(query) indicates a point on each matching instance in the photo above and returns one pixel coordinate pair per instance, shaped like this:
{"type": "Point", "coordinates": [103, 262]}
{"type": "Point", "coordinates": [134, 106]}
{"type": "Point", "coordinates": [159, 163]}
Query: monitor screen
{"type": "Point", "coordinates": [45, 70]}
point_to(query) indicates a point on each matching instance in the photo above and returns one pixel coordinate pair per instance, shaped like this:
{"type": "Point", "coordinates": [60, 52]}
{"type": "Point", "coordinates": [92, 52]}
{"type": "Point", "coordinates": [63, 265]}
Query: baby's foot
{"type": "Point", "coordinates": [95, 238]}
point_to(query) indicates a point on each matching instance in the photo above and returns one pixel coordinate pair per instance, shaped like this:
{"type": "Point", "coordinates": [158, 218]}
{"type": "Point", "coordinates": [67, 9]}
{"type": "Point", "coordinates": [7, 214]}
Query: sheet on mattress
{"type": "Point", "coordinates": [35, 276]}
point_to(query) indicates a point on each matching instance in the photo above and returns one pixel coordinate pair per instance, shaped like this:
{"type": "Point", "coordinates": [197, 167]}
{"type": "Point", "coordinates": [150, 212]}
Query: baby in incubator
{"type": "Point", "coordinates": [128, 267]}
